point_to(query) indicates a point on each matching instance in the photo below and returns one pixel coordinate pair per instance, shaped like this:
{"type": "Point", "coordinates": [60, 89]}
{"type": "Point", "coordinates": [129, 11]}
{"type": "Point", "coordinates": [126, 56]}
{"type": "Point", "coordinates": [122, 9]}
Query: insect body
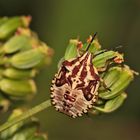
{"type": "Point", "coordinates": [74, 88]}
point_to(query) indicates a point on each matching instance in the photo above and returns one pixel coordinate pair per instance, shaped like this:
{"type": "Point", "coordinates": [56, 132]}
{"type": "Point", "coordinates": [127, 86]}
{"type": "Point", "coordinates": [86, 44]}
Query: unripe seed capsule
{"type": "Point", "coordinates": [3, 20]}
{"type": "Point", "coordinates": [4, 104]}
{"type": "Point", "coordinates": [113, 104]}
{"type": "Point", "coordinates": [9, 27]}
{"type": "Point", "coordinates": [125, 77]}
{"type": "Point", "coordinates": [95, 46]}
{"type": "Point", "coordinates": [20, 88]}
{"type": "Point", "coordinates": [112, 76]}
{"type": "Point", "coordinates": [1, 72]}
{"type": "Point", "coordinates": [16, 43]}
{"type": "Point", "coordinates": [19, 74]}
{"type": "Point", "coordinates": [71, 51]}
{"type": "Point", "coordinates": [27, 131]}
{"type": "Point", "coordinates": [100, 61]}
{"type": "Point", "coordinates": [10, 131]}
{"type": "Point", "coordinates": [28, 59]}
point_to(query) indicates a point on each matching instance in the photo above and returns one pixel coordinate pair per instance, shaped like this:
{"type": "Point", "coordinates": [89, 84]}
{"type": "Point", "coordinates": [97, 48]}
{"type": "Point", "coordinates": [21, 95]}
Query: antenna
{"type": "Point", "coordinates": [93, 37]}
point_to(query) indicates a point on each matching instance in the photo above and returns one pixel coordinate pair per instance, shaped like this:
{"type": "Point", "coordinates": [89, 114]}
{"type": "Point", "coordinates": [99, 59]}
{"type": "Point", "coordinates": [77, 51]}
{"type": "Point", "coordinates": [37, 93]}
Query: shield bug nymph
{"type": "Point", "coordinates": [75, 87]}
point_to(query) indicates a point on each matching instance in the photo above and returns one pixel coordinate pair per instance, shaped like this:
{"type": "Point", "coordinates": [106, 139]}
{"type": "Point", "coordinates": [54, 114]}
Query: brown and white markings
{"type": "Point", "coordinates": [74, 88]}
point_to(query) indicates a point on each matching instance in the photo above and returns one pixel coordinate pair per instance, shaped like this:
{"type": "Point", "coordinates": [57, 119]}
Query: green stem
{"type": "Point", "coordinates": [26, 115]}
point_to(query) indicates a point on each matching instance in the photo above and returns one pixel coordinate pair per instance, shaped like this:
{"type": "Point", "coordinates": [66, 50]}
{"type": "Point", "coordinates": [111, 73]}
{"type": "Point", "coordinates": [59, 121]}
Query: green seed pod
{"type": "Point", "coordinates": [31, 35]}
{"type": "Point", "coordinates": [100, 61]}
{"type": "Point", "coordinates": [24, 129]}
{"type": "Point", "coordinates": [1, 72]}
{"type": "Point", "coordinates": [10, 26]}
{"type": "Point", "coordinates": [18, 88]}
{"type": "Point", "coordinates": [75, 46]}
{"type": "Point", "coordinates": [13, 73]}
{"type": "Point", "coordinates": [71, 51]}
{"type": "Point", "coordinates": [26, 132]}
{"type": "Point", "coordinates": [124, 79]}
{"type": "Point", "coordinates": [26, 20]}
{"type": "Point", "coordinates": [28, 59]}
{"type": "Point", "coordinates": [95, 46]}
{"type": "Point", "coordinates": [110, 77]}
{"type": "Point", "coordinates": [112, 105]}
{"type": "Point", "coordinates": [4, 104]}
{"type": "Point", "coordinates": [10, 131]}
{"type": "Point", "coordinates": [3, 60]}
{"type": "Point", "coordinates": [46, 61]}
{"type": "Point", "coordinates": [24, 31]}
{"type": "Point", "coordinates": [16, 43]}
{"type": "Point", "coordinates": [3, 20]}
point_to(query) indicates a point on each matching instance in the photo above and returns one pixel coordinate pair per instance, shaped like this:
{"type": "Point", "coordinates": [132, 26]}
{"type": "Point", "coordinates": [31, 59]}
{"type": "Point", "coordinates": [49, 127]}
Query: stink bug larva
{"type": "Point", "coordinates": [74, 89]}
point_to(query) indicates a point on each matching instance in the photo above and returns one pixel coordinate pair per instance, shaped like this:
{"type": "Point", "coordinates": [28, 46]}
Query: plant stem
{"type": "Point", "coordinates": [26, 115]}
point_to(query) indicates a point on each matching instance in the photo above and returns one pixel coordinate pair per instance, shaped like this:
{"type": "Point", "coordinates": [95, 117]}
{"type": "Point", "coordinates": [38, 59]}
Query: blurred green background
{"type": "Point", "coordinates": [56, 21]}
